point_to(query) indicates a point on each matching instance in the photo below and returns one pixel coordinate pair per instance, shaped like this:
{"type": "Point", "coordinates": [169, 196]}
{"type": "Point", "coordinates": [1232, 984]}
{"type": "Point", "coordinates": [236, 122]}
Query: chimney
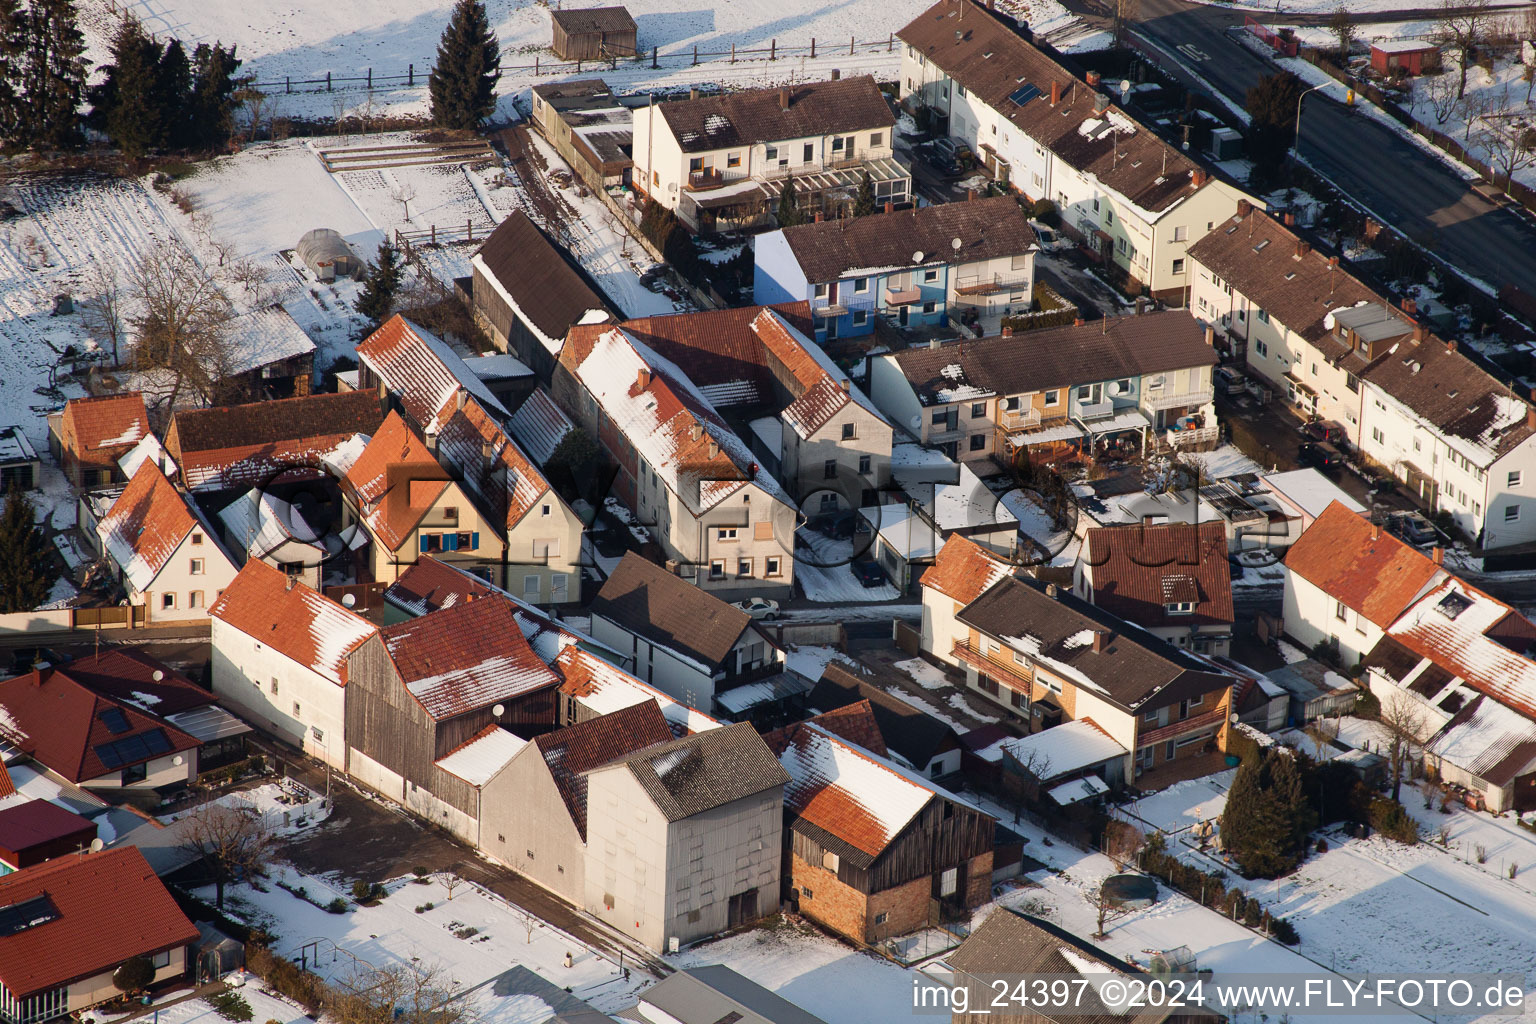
{"type": "Point", "coordinates": [1078, 322]}
{"type": "Point", "coordinates": [1055, 93]}
{"type": "Point", "coordinates": [836, 74]}
{"type": "Point", "coordinates": [714, 449]}
{"type": "Point", "coordinates": [784, 98]}
{"type": "Point", "coordinates": [890, 206]}
{"type": "Point", "coordinates": [1530, 418]}
{"type": "Point", "coordinates": [1198, 178]}
{"type": "Point", "coordinates": [1375, 531]}
{"type": "Point", "coordinates": [846, 385]}
{"type": "Point", "coordinates": [1051, 591]}
{"type": "Point", "coordinates": [1450, 346]}
{"type": "Point", "coordinates": [1290, 220]}
{"type": "Point", "coordinates": [1244, 207]}
{"type": "Point", "coordinates": [1210, 336]}
{"type": "Point", "coordinates": [1437, 555]}
{"type": "Point", "coordinates": [1100, 638]}
{"type": "Point", "coordinates": [696, 431]}
{"type": "Point", "coordinates": [643, 378]}
{"type": "Point", "coordinates": [693, 94]}
{"type": "Point", "coordinates": [1333, 263]}
{"type": "Point", "coordinates": [460, 398]}
{"type": "Point", "coordinates": [818, 216]}
{"type": "Point", "coordinates": [970, 194]}
{"type": "Point", "coordinates": [431, 441]}
{"type": "Point", "coordinates": [488, 451]}
{"type": "Point", "coordinates": [1100, 103]}
{"type": "Point", "coordinates": [1411, 307]}
{"type": "Point", "coordinates": [933, 343]}
{"type": "Point", "coordinates": [1007, 331]}
{"type": "Point", "coordinates": [1141, 304]}
{"type": "Point", "coordinates": [1092, 78]}
{"type": "Point", "coordinates": [1418, 333]}
{"type": "Point", "coordinates": [1302, 248]}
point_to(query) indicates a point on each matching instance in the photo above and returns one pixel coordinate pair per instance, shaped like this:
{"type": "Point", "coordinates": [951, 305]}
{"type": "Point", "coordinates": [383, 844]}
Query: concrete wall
{"type": "Point", "coordinates": [805, 459]}
{"type": "Point", "coordinates": [522, 813]}
{"type": "Point", "coordinates": [776, 276]}
{"type": "Point", "coordinates": [244, 671]}
{"type": "Point", "coordinates": [558, 575]}
{"type": "Point", "coordinates": [1312, 616]}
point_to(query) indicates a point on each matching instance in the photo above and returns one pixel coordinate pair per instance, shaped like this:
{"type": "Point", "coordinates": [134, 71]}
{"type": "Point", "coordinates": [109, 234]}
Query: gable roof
{"type": "Point", "coordinates": [1132, 669]}
{"type": "Point", "coordinates": [1056, 357]}
{"type": "Point", "coordinates": [593, 19]}
{"type": "Point", "coordinates": [855, 723]}
{"type": "Point", "coordinates": [470, 656]}
{"type": "Point", "coordinates": [301, 624]}
{"type": "Point", "coordinates": [820, 388]}
{"type": "Point", "coordinates": [715, 994]}
{"type": "Point", "coordinates": [492, 469]}
{"type": "Point", "coordinates": [1356, 562]}
{"type": "Point", "coordinates": [986, 228]}
{"type": "Point", "coordinates": [533, 276]}
{"type": "Point", "coordinates": [422, 372]}
{"type": "Point", "coordinates": [247, 445]}
{"type": "Point", "coordinates": [573, 751]}
{"type": "Point", "coordinates": [146, 524]}
{"type": "Point", "coordinates": [964, 569]}
{"type": "Point", "coordinates": [98, 911]}
{"type": "Point", "coordinates": [395, 481]}
{"type": "Point", "coordinates": [479, 758]}
{"type": "Point", "coordinates": [36, 823]}
{"type": "Point", "coordinates": [907, 732]}
{"type": "Point", "coordinates": [539, 425]}
{"type": "Point", "coordinates": [105, 427]}
{"type": "Point", "coordinates": [757, 115]}
{"type": "Point", "coordinates": [645, 599]}
{"type": "Point", "coordinates": [697, 773]}
{"type": "Point", "coordinates": [127, 674]}
{"type": "Point", "coordinates": [602, 687]}
{"type": "Point", "coordinates": [1138, 570]}
{"type": "Point", "coordinates": [79, 734]}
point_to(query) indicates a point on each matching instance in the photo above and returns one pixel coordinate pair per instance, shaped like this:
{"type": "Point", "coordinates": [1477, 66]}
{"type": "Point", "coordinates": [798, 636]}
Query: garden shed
{"type": "Point", "coordinates": [1411, 55]}
{"type": "Point", "coordinates": [328, 255]}
{"type": "Point", "coordinates": [592, 33]}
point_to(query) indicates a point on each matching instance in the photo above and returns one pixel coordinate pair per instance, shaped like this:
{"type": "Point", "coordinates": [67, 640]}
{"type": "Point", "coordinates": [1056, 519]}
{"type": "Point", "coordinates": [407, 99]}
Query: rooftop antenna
{"type": "Point", "coordinates": [1165, 164]}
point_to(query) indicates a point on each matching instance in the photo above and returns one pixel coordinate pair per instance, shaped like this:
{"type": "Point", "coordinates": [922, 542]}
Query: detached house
{"type": "Point", "coordinates": [279, 658]}
{"type": "Point", "coordinates": [721, 161]}
{"type": "Point", "coordinates": [1055, 391]}
{"type": "Point", "coordinates": [92, 434]}
{"type": "Point", "coordinates": [720, 518]}
{"type": "Point", "coordinates": [72, 922]}
{"type": "Point", "coordinates": [1461, 441]}
{"type": "Point", "coordinates": [962, 572]}
{"type": "Point", "coordinates": [1047, 657]}
{"type": "Point", "coordinates": [970, 262]}
{"type": "Point", "coordinates": [168, 558]}
{"type": "Point", "coordinates": [1122, 193]}
{"type": "Point", "coordinates": [910, 736]}
{"type": "Point", "coordinates": [1171, 579]}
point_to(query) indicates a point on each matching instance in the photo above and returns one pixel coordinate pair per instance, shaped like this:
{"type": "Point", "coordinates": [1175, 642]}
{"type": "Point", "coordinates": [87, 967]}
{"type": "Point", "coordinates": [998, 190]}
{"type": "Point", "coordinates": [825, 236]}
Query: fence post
{"type": "Point", "coordinates": [813, 47]}
{"type": "Point", "coordinates": [434, 234]}
{"type": "Point", "coordinates": [654, 65]}
{"type": "Point", "coordinates": [410, 74]}
{"type": "Point", "coordinates": [370, 79]}
{"type": "Point", "coordinates": [695, 54]}
{"type": "Point", "coordinates": [773, 48]}
{"type": "Point", "coordinates": [469, 228]}
{"type": "Point", "coordinates": [890, 42]}
{"type": "Point", "coordinates": [535, 65]}
{"type": "Point", "coordinates": [733, 53]}
{"type": "Point", "coordinates": [850, 46]}
{"type": "Point", "coordinates": [287, 85]}
{"type": "Point", "coordinates": [327, 81]}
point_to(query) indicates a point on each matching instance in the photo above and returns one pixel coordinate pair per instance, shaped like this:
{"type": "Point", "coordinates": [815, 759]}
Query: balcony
{"type": "Point", "coordinates": [703, 181]}
{"type": "Point", "coordinates": [982, 284]}
{"type": "Point", "coordinates": [1158, 399]}
{"type": "Point", "coordinates": [1095, 410]}
{"type": "Point", "coordinates": [1019, 419]}
{"type": "Point", "coordinates": [1193, 436]}
{"type": "Point", "coordinates": [1173, 730]}
{"type": "Point", "coordinates": [1010, 672]}
{"type": "Point", "coordinates": [903, 296]}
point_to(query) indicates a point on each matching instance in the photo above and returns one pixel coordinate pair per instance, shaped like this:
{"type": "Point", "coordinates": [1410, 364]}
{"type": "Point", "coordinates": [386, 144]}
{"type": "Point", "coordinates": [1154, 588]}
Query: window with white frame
{"type": "Point", "coordinates": [1261, 348]}
{"type": "Point", "coordinates": [1515, 478]}
{"type": "Point", "coordinates": [1511, 513]}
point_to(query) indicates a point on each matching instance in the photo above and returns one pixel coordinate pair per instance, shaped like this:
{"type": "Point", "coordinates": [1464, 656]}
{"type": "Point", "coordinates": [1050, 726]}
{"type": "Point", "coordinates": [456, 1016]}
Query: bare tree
{"type": "Point", "coordinates": [1403, 722]}
{"type": "Point", "coordinates": [403, 993]}
{"type": "Point", "coordinates": [1031, 769]}
{"type": "Point", "coordinates": [1122, 842]}
{"type": "Point", "coordinates": [451, 881]}
{"type": "Point", "coordinates": [1472, 109]}
{"type": "Point", "coordinates": [233, 841]}
{"type": "Point", "coordinates": [1510, 146]}
{"type": "Point", "coordinates": [254, 102]}
{"type": "Point", "coordinates": [1464, 23]}
{"type": "Point", "coordinates": [1528, 76]}
{"type": "Point", "coordinates": [1440, 91]}
{"type": "Point", "coordinates": [102, 313]}
{"type": "Point", "coordinates": [529, 921]}
{"type": "Point", "coordinates": [403, 193]}
{"type": "Point", "coordinates": [1342, 25]}
{"type": "Point", "coordinates": [181, 326]}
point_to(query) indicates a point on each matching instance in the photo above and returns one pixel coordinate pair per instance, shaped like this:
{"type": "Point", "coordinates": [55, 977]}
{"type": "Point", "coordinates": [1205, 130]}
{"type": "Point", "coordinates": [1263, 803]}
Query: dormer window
{"type": "Point", "coordinates": [1180, 607]}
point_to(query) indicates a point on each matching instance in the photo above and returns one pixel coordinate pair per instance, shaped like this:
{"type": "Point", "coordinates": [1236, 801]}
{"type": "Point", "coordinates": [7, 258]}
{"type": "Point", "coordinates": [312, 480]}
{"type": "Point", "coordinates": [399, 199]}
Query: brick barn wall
{"type": "Point", "coordinates": [978, 880]}
{"type": "Point", "coordinates": [838, 906]}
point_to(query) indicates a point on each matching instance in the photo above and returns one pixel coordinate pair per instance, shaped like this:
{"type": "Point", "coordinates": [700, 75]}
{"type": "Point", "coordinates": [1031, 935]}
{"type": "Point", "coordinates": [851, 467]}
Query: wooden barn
{"type": "Point", "coordinates": [593, 33]}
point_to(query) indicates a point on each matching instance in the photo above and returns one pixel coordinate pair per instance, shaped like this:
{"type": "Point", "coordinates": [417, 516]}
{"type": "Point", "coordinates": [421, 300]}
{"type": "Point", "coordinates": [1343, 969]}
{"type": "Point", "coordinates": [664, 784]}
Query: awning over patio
{"type": "Point", "coordinates": [1130, 419]}
{"type": "Point", "coordinates": [1061, 432]}
{"type": "Point", "coordinates": [209, 723]}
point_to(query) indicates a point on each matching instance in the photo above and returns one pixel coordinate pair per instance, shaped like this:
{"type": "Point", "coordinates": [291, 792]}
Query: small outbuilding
{"type": "Point", "coordinates": [328, 255]}
{"type": "Point", "coordinates": [19, 464]}
{"type": "Point", "coordinates": [593, 33]}
{"type": "Point", "coordinates": [1410, 55]}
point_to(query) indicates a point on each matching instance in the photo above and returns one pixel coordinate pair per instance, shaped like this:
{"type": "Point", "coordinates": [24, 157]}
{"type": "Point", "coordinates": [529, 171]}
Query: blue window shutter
{"type": "Point", "coordinates": [474, 541]}
{"type": "Point", "coordinates": [423, 538]}
{"type": "Point", "coordinates": [450, 542]}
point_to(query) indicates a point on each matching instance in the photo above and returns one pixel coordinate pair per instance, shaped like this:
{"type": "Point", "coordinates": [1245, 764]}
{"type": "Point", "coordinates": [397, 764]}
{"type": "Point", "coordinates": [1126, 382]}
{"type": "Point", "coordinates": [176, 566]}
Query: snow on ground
{"type": "Point", "coordinates": [1472, 834]}
{"type": "Point", "coordinates": [265, 1006]}
{"type": "Point", "coordinates": [812, 661]}
{"type": "Point", "coordinates": [1501, 96]}
{"type": "Point", "coordinates": [1227, 460]}
{"type": "Point", "coordinates": [823, 572]}
{"type": "Point", "coordinates": [926, 675]}
{"type": "Point", "coordinates": [1182, 805]}
{"type": "Point", "coordinates": [285, 805]}
{"type": "Point", "coordinates": [1060, 545]}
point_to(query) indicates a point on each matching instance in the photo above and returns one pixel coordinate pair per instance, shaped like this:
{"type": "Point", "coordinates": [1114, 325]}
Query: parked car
{"type": "Point", "coordinates": [1229, 380]}
{"type": "Point", "coordinates": [1319, 455]}
{"type": "Point", "coordinates": [1049, 239]}
{"type": "Point", "coordinates": [759, 607]}
{"type": "Point", "coordinates": [869, 572]}
{"type": "Point", "coordinates": [839, 525]}
{"type": "Point", "coordinates": [941, 159]}
{"type": "Point", "coordinates": [1412, 527]}
{"type": "Point", "coordinates": [1325, 430]}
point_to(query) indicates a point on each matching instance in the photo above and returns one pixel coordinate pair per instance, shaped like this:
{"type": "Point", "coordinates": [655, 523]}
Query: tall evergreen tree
{"type": "Point", "coordinates": [173, 97]}
{"type": "Point", "coordinates": [1272, 128]}
{"type": "Point", "coordinates": [378, 296]}
{"type": "Point", "coordinates": [12, 47]}
{"type": "Point", "coordinates": [864, 202]}
{"type": "Point", "coordinates": [52, 74]}
{"type": "Point", "coordinates": [1267, 817]}
{"type": "Point", "coordinates": [25, 578]}
{"type": "Point", "coordinates": [463, 81]}
{"type": "Point", "coordinates": [126, 104]}
{"type": "Point", "coordinates": [213, 95]}
{"type": "Point", "coordinates": [788, 212]}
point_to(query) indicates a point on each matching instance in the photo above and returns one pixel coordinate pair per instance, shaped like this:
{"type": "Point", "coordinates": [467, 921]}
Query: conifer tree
{"type": "Point", "coordinates": [126, 105]}
{"type": "Point", "coordinates": [864, 202]}
{"type": "Point", "coordinates": [25, 578]}
{"type": "Point", "coordinates": [12, 46]}
{"type": "Point", "coordinates": [1267, 817]}
{"type": "Point", "coordinates": [463, 81]}
{"type": "Point", "coordinates": [172, 97]}
{"type": "Point", "coordinates": [52, 75]}
{"type": "Point", "coordinates": [788, 213]}
{"type": "Point", "coordinates": [378, 295]}
{"type": "Point", "coordinates": [213, 95]}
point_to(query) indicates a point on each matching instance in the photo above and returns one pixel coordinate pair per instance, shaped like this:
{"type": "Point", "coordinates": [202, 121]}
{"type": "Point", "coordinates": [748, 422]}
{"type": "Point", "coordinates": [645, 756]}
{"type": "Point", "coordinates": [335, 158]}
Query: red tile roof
{"type": "Point", "coordinates": [1138, 570]}
{"type": "Point", "coordinates": [130, 675]}
{"type": "Point", "coordinates": [7, 784]}
{"type": "Point", "coordinates": [964, 569]}
{"type": "Point", "coordinates": [145, 525]}
{"type": "Point", "coordinates": [466, 657]}
{"type": "Point", "coordinates": [422, 372]}
{"type": "Point", "coordinates": [430, 584]}
{"type": "Point", "coordinates": [1358, 563]}
{"type": "Point", "coordinates": [37, 823]}
{"type": "Point", "coordinates": [101, 430]}
{"type": "Point", "coordinates": [576, 749]}
{"type": "Point", "coordinates": [724, 355]}
{"type": "Point", "coordinates": [384, 481]}
{"type": "Point", "coordinates": [507, 484]}
{"type": "Point", "coordinates": [69, 728]}
{"type": "Point", "coordinates": [105, 908]}
{"type": "Point", "coordinates": [295, 621]}
{"type": "Point", "coordinates": [856, 724]}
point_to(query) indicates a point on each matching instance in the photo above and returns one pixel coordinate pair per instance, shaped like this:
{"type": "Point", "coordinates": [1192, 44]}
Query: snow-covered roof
{"type": "Point", "coordinates": [1061, 750]}
{"type": "Point", "coordinates": [1450, 624]}
{"type": "Point", "coordinates": [1488, 740]}
{"type": "Point", "coordinates": [770, 431]}
{"type": "Point", "coordinates": [904, 531]}
{"type": "Point", "coordinates": [150, 449]}
{"type": "Point", "coordinates": [478, 761]}
{"type": "Point", "coordinates": [424, 372]}
{"type": "Point", "coordinates": [262, 337]}
{"type": "Point", "coordinates": [1085, 788]}
{"type": "Point", "coordinates": [603, 688]}
{"type": "Point", "coordinates": [740, 698]}
{"type": "Point", "coordinates": [264, 522]}
{"type": "Point", "coordinates": [824, 389]}
{"type": "Point", "coordinates": [539, 426]}
{"type": "Point", "coordinates": [145, 525]}
{"type": "Point", "coordinates": [848, 791]}
{"type": "Point", "coordinates": [1308, 491]}
{"type": "Point", "coordinates": [498, 366]}
{"type": "Point", "coordinates": [14, 446]}
{"type": "Point", "coordinates": [297, 622]}
{"type": "Point", "coordinates": [1404, 45]}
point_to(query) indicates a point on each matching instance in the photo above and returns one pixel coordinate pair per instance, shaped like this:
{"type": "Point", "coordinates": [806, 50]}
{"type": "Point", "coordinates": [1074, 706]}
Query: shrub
{"type": "Point", "coordinates": [465, 933]}
{"type": "Point", "coordinates": [1389, 818]}
{"type": "Point", "coordinates": [1284, 931]}
{"type": "Point", "coordinates": [1045, 212]}
{"type": "Point", "coordinates": [424, 908]}
{"type": "Point", "coordinates": [231, 1006]}
{"type": "Point", "coordinates": [337, 906]}
{"type": "Point", "coordinates": [1514, 869]}
{"type": "Point", "coordinates": [1253, 914]}
{"type": "Point", "coordinates": [1322, 846]}
{"type": "Point", "coordinates": [1482, 853]}
{"type": "Point", "coordinates": [361, 890]}
{"type": "Point", "coordinates": [134, 975]}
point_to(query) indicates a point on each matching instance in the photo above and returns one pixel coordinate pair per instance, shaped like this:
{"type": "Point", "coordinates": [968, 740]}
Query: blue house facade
{"type": "Point", "coordinates": [845, 307]}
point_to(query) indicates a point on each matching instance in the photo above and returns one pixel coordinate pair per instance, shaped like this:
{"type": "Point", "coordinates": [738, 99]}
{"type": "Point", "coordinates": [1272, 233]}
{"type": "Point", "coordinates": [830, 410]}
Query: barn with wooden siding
{"type": "Point", "coordinates": [593, 33]}
{"type": "Point", "coordinates": [427, 695]}
{"type": "Point", "coordinates": [875, 851]}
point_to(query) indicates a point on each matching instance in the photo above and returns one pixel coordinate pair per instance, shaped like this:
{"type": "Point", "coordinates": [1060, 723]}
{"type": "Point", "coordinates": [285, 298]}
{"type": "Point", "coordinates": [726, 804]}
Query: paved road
{"type": "Point", "coordinates": [1408, 188]}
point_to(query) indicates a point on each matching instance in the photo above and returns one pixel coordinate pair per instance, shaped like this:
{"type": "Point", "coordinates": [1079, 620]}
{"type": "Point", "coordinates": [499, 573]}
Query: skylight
{"type": "Point", "coordinates": [1261, 245]}
{"type": "Point", "coordinates": [29, 913]}
{"type": "Point", "coordinates": [115, 721]}
{"type": "Point", "coordinates": [1453, 604]}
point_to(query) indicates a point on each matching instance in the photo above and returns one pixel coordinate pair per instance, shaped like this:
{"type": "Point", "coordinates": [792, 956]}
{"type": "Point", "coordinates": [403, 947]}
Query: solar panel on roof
{"type": "Point", "coordinates": [18, 917]}
{"type": "Point", "coordinates": [133, 749]}
{"type": "Point", "coordinates": [1024, 94]}
{"type": "Point", "coordinates": [115, 721]}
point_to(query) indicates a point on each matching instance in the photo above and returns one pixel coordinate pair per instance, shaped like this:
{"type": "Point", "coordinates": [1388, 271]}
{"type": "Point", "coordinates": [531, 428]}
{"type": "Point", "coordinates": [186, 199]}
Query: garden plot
{"type": "Point", "coordinates": [441, 197]}
{"type": "Point", "coordinates": [1491, 121]}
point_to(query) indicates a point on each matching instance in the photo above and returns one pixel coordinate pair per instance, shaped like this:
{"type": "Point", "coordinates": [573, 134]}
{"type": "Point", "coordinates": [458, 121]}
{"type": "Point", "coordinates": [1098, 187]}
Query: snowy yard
{"type": "Point", "coordinates": [822, 569]}
{"type": "Point", "coordinates": [926, 675]}
{"type": "Point", "coordinates": [1182, 805]}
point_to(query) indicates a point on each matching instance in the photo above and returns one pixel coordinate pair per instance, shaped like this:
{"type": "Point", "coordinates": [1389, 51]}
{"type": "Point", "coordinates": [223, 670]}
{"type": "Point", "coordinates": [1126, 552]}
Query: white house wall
{"type": "Point", "coordinates": [243, 672]}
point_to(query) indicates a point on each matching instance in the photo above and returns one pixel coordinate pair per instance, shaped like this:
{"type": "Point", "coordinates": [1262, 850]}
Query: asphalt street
{"type": "Point", "coordinates": [1385, 173]}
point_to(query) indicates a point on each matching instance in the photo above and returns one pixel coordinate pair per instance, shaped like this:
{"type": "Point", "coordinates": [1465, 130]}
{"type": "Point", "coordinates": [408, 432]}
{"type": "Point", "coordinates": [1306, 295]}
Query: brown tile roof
{"type": "Point", "coordinates": [573, 751]}
{"type": "Point", "coordinates": [645, 599]}
{"type": "Point", "coordinates": [101, 909]}
{"type": "Point", "coordinates": [1138, 570]}
{"type": "Point", "coordinates": [507, 485]}
{"type": "Point", "coordinates": [299, 623]}
{"type": "Point", "coordinates": [1133, 669]}
{"type": "Point", "coordinates": [429, 584]}
{"type": "Point", "coordinates": [1358, 563]}
{"type": "Point", "coordinates": [37, 823]}
{"type": "Point", "coordinates": [125, 673]}
{"type": "Point", "coordinates": [78, 733]}
{"type": "Point", "coordinates": [601, 687]}
{"type": "Point", "coordinates": [395, 481]}
{"type": "Point", "coordinates": [987, 229]}
{"type": "Point", "coordinates": [246, 445]}
{"type": "Point", "coordinates": [7, 784]}
{"type": "Point", "coordinates": [466, 657]}
{"type": "Point", "coordinates": [1056, 357]}
{"type": "Point", "coordinates": [907, 732]}
{"type": "Point", "coordinates": [964, 569]}
{"type": "Point", "coordinates": [593, 19]}
{"type": "Point", "coordinates": [536, 274]}
{"type": "Point", "coordinates": [754, 116]}
{"type": "Point", "coordinates": [693, 774]}
{"type": "Point", "coordinates": [101, 430]}
{"type": "Point", "coordinates": [855, 723]}
{"type": "Point", "coordinates": [145, 525]}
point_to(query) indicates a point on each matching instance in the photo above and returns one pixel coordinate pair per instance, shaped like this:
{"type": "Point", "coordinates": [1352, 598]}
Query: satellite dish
{"type": "Point", "coordinates": [499, 710]}
{"type": "Point", "coordinates": [1235, 718]}
{"type": "Point", "coordinates": [97, 845]}
{"type": "Point", "coordinates": [917, 257]}
{"type": "Point", "coordinates": [955, 243]}
{"type": "Point", "coordinates": [1125, 86]}
{"type": "Point", "coordinates": [157, 675]}
{"type": "Point", "coordinates": [349, 600]}
{"type": "Point", "coordinates": [178, 760]}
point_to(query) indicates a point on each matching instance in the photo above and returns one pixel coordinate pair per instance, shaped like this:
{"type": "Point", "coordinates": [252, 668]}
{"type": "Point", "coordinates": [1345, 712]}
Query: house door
{"type": "Point", "coordinates": [902, 312]}
{"type": "Point", "coordinates": [741, 908]}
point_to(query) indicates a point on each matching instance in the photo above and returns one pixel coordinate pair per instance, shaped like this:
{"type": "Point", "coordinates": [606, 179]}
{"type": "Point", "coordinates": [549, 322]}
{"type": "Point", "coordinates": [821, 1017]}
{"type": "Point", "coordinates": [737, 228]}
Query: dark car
{"type": "Point", "coordinates": [1413, 528]}
{"type": "Point", "coordinates": [943, 157]}
{"type": "Point", "coordinates": [1324, 430]}
{"type": "Point", "coordinates": [839, 525]}
{"type": "Point", "coordinates": [1319, 455]}
{"type": "Point", "coordinates": [869, 572]}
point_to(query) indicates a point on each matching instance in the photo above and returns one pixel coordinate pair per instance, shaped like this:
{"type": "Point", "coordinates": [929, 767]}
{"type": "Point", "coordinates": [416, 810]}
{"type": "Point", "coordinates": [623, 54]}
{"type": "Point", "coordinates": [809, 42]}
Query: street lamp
{"type": "Point", "coordinates": [1303, 96]}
